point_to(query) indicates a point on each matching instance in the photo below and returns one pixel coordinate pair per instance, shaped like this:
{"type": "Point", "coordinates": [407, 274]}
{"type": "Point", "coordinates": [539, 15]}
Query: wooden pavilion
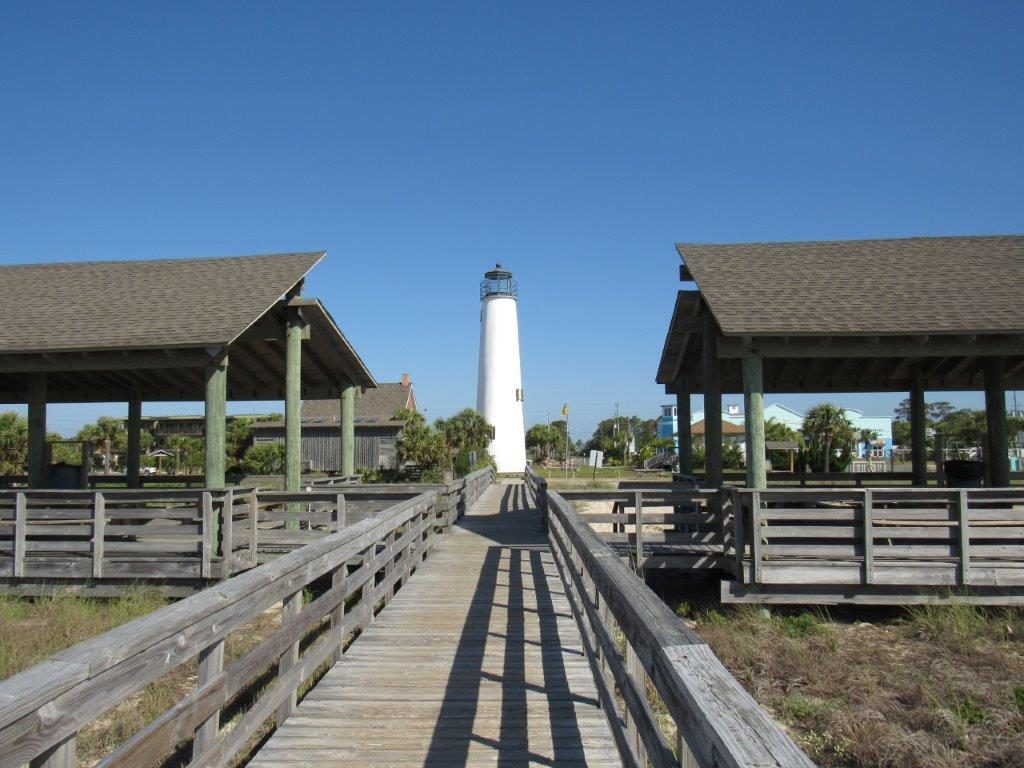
{"type": "Point", "coordinates": [901, 315]}
{"type": "Point", "coordinates": [209, 329]}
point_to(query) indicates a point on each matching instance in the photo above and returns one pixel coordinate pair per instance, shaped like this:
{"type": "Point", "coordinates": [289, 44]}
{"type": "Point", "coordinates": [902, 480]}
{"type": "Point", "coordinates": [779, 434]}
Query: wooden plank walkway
{"type": "Point", "coordinates": [476, 661]}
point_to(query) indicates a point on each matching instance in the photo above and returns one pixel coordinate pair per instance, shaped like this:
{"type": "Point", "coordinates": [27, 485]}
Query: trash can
{"type": "Point", "coordinates": [65, 476]}
{"type": "Point", "coordinates": [964, 473]}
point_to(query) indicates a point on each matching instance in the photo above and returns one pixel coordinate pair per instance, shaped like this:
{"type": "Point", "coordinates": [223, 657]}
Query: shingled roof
{"type": "Point", "coordinates": [900, 286]}
{"type": "Point", "coordinates": [104, 331]}
{"type": "Point", "coordinates": [849, 316]}
{"type": "Point", "coordinates": [373, 406]}
{"type": "Point", "coordinates": [96, 305]}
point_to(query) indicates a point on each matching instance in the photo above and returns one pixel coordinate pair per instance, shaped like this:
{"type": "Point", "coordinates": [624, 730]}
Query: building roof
{"type": "Point", "coordinates": [373, 406]}
{"type": "Point", "coordinates": [110, 330]}
{"type": "Point", "coordinates": [728, 428]}
{"type": "Point", "coordinates": [849, 316]}
{"type": "Point", "coordinates": [152, 304]}
{"type": "Point", "coordinates": [896, 286]}
{"type": "Point", "coordinates": [378, 404]}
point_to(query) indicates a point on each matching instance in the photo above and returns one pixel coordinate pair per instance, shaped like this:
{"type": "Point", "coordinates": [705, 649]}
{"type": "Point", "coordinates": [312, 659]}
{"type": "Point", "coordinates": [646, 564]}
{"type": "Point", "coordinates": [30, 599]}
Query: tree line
{"type": "Point", "coordinates": [109, 438]}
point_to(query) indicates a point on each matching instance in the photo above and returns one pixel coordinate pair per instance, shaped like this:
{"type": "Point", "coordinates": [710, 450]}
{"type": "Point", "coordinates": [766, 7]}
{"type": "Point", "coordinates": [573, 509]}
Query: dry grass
{"type": "Point", "coordinates": [930, 687]}
{"type": "Point", "coordinates": [33, 629]}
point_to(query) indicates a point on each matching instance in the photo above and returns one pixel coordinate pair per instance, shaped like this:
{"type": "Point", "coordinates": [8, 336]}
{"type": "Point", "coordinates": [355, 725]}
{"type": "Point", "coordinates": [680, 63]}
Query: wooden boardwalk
{"type": "Point", "coordinates": [476, 661]}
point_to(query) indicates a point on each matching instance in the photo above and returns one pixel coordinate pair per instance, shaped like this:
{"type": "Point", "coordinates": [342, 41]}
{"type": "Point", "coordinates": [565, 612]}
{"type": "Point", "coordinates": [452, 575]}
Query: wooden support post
{"type": "Point", "coordinates": [20, 527]}
{"type": "Point", "coordinates": [292, 606]}
{"type": "Point", "coordinates": [965, 539]}
{"type": "Point", "coordinates": [684, 435]}
{"type": "Point", "coordinates": [215, 416]}
{"type": "Point", "coordinates": [211, 663]}
{"type": "Point", "coordinates": [293, 405]}
{"type": "Point", "coordinates": [348, 430]}
{"type": "Point", "coordinates": [712, 405]}
{"type": "Point", "coordinates": [869, 538]}
{"type": "Point", "coordinates": [37, 467]}
{"type": "Point", "coordinates": [134, 451]}
{"type": "Point", "coordinates": [753, 396]}
{"type": "Point", "coordinates": [99, 524]}
{"type": "Point", "coordinates": [997, 458]}
{"type": "Point", "coordinates": [918, 424]}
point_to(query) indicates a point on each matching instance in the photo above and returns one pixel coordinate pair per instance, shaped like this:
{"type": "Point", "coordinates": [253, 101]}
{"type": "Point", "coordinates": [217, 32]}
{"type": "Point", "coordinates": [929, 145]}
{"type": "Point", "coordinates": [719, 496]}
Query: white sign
{"type": "Point", "coordinates": [596, 459]}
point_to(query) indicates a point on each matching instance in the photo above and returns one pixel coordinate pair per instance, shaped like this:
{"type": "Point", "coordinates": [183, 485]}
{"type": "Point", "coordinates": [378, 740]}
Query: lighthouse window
{"type": "Point", "coordinates": [519, 395]}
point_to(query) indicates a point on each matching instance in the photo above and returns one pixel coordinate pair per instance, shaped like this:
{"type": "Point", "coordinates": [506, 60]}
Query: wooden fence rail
{"type": "Point", "coordinates": [660, 527]}
{"type": "Point", "coordinates": [635, 643]}
{"type": "Point", "coordinates": [330, 588]}
{"type": "Point", "coordinates": [180, 539]}
{"type": "Point", "coordinates": [878, 537]}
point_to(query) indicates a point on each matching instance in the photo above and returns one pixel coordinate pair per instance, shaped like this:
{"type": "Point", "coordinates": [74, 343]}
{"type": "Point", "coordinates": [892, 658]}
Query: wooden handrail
{"type": "Point", "coordinates": [718, 723]}
{"type": "Point", "coordinates": [42, 708]}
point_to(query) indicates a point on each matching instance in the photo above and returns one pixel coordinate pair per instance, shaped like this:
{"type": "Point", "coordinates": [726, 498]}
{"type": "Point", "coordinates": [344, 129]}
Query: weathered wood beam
{"type": "Point", "coordinates": [997, 461]}
{"type": "Point", "coordinates": [216, 418]}
{"type": "Point", "coordinates": [293, 403]}
{"type": "Point", "coordinates": [37, 469]}
{"type": "Point", "coordinates": [753, 417]}
{"type": "Point", "coordinates": [958, 366]}
{"type": "Point", "coordinates": [133, 458]}
{"type": "Point", "coordinates": [348, 429]}
{"type": "Point", "coordinates": [103, 361]}
{"type": "Point", "coordinates": [918, 423]}
{"type": "Point", "coordinates": [887, 346]}
{"type": "Point", "coordinates": [685, 436]}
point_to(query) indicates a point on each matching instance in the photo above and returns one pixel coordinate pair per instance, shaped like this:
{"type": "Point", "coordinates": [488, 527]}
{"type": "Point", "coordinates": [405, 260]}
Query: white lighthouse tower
{"type": "Point", "coordinates": [499, 393]}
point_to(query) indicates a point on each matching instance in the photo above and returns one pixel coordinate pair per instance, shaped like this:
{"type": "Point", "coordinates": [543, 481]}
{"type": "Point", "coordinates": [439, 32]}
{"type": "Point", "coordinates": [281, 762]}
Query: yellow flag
{"type": "Point", "coordinates": [565, 409]}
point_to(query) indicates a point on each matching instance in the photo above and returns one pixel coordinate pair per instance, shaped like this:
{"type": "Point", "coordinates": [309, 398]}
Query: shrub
{"type": "Point", "coordinates": [265, 459]}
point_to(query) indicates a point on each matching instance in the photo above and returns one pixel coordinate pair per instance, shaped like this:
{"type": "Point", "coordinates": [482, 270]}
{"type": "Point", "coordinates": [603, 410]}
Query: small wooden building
{"type": "Point", "coordinates": [376, 429]}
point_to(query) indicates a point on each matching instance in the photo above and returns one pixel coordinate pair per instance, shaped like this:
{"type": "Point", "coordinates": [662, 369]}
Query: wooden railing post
{"type": "Point", "coordinates": [227, 532]}
{"type": "Point", "coordinates": [206, 509]}
{"type": "Point", "coordinates": [20, 527]}
{"type": "Point", "coordinates": [211, 663]}
{"type": "Point", "coordinates": [254, 516]}
{"type": "Point", "coordinates": [289, 611]}
{"type": "Point", "coordinates": [338, 514]}
{"type": "Point", "coordinates": [99, 524]}
{"type": "Point", "coordinates": [869, 538]}
{"type": "Point", "coordinates": [542, 503]}
{"type": "Point", "coordinates": [739, 523]}
{"type": "Point", "coordinates": [755, 533]}
{"type": "Point", "coordinates": [636, 673]}
{"type": "Point", "coordinates": [62, 755]}
{"type": "Point", "coordinates": [638, 503]}
{"type": "Point", "coordinates": [965, 538]}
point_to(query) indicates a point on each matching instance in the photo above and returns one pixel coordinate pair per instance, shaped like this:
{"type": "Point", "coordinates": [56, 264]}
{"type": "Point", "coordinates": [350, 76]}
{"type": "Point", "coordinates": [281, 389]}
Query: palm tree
{"type": "Point", "coordinates": [868, 436]}
{"type": "Point", "coordinates": [826, 426]}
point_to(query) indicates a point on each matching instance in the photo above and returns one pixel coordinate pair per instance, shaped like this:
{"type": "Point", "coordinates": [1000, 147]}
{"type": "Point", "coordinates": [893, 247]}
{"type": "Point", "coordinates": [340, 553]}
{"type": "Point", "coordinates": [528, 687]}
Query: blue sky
{"type": "Point", "coordinates": [420, 143]}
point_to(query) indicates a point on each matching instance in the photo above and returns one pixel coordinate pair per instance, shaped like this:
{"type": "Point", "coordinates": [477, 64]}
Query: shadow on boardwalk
{"type": "Point", "coordinates": [476, 661]}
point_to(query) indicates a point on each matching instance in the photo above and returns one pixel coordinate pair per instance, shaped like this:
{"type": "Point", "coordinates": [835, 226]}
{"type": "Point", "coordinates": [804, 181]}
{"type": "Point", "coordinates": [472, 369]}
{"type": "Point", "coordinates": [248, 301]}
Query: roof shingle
{"type": "Point", "coordinates": [95, 305]}
{"type": "Point", "coordinates": [918, 285]}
